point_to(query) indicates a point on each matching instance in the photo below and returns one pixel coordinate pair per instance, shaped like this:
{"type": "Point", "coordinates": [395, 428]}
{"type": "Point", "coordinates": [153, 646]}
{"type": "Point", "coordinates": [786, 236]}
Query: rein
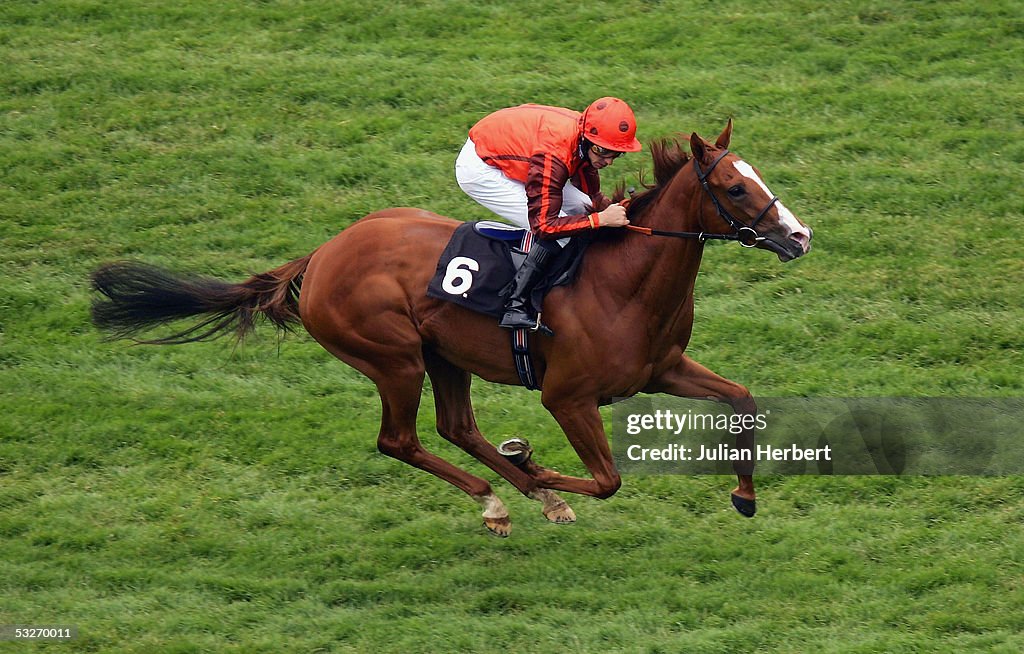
{"type": "Point", "coordinates": [745, 235]}
{"type": "Point", "coordinates": [701, 236]}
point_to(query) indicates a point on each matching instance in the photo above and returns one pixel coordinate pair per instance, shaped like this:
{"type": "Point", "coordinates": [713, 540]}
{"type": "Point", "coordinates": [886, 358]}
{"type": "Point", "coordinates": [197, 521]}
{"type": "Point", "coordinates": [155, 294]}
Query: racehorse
{"type": "Point", "coordinates": [362, 296]}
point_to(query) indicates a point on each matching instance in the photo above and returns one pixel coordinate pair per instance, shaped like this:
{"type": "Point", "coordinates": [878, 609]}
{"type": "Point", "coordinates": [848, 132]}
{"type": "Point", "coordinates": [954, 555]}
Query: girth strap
{"type": "Point", "coordinates": [521, 338]}
{"type": "Point", "coordinates": [521, 354]}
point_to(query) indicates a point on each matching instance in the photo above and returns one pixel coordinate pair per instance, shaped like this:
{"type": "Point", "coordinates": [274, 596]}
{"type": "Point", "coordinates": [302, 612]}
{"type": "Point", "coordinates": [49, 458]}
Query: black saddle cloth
{"type": "Point", "coordinates": [476, 268]}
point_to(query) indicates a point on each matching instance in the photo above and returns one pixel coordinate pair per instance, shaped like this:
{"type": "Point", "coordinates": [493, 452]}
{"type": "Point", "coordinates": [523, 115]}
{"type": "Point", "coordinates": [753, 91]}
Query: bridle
{"type": "Point", "coordinates": [745, 235]}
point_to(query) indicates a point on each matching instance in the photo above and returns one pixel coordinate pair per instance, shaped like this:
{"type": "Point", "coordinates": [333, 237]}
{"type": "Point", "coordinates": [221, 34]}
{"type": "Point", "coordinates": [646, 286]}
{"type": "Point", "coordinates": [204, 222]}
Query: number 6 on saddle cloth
{"type": "Point", "coordinates": [477, 266]}
{"type": "Point", "coordinates": [475, 271]}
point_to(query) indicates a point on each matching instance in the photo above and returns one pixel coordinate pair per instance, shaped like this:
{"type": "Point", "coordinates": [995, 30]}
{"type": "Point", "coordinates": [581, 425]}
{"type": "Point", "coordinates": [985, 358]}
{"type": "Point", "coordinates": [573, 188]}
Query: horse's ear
{"type": "Point", "coordinates": [699, 147]}
{"type": "Point", "coordinates": [725, 136]}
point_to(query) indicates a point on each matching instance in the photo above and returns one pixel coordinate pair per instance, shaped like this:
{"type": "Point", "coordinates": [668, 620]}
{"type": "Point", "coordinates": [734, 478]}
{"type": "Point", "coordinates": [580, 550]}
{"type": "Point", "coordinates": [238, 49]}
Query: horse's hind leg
{"type": "Point", "coordinates": [456, 423]}
{"type": "Point", "coordinates": [358, 300]}
{"type": "Point", "coordinates": [400, 397]}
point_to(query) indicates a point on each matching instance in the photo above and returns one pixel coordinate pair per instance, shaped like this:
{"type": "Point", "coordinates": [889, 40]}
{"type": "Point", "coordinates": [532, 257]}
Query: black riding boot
{"type": "Point", "coordinates": [516, 309]}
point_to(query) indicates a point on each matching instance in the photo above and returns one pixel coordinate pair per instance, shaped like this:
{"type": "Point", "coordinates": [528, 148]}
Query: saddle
{"type": "Point", "coordinates": [475, 270]}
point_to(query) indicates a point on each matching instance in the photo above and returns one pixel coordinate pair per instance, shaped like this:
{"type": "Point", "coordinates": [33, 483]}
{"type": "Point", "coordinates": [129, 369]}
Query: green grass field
{"type": "Point", "coordinates": [206, 498]}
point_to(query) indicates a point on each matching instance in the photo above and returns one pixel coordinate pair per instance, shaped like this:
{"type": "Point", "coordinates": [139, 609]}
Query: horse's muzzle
{"type": "Point", "coordinates": [791, 247]}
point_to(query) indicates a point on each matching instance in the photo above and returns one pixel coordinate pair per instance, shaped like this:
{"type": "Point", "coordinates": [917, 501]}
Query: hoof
{"type": "Point", "coordinates": [499, 526]}
{"type": "Point", "coordinates": [560, 514]}
{"type": "Point", "coordinates": [516, 450]}
{"type": "Point", "coordinates": [746, 507]}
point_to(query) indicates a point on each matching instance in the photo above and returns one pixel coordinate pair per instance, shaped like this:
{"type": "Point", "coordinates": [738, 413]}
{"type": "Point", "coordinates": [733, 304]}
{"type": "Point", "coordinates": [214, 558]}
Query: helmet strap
{"type": "Point", "coordinates": [584, 147]}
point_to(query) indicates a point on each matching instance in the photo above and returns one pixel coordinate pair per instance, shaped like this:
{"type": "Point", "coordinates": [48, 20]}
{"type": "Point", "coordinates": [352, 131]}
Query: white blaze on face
{"type": "Point", "coordinates": [785, 215]}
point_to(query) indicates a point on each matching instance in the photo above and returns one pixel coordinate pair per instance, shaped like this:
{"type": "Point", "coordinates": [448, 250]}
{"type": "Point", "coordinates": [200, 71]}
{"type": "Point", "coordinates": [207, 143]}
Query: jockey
{"type": "Point", "coordinates": [537, 167]}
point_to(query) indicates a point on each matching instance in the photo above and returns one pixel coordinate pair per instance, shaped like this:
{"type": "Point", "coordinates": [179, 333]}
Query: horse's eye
{"type": "Point", "coordinates": [736, 191]}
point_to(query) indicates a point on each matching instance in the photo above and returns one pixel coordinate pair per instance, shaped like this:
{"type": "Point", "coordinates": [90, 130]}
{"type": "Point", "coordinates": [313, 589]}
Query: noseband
{"type": "Point", "coordinates": [745, 235]}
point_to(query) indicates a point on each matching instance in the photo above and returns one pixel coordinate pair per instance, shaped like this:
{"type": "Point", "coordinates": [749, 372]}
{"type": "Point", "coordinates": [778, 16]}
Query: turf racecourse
{"type": "Point", "coordinates": [215, 499]}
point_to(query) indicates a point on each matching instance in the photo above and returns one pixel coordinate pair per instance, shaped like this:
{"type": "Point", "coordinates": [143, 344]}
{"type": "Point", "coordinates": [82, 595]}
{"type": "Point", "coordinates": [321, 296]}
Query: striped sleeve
{"type": "Point", "coordinates": [545, 179]}
{"type": "Point", "coordinates": [587, 180]}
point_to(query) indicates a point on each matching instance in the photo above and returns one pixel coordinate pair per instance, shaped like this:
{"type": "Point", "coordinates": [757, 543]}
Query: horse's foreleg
{"type": "Point", "coordinates": [581, 422]}
{"type": "Point", "coordinates": [457, 424]}
{"type": "Point", "coordinates": [687, 378]}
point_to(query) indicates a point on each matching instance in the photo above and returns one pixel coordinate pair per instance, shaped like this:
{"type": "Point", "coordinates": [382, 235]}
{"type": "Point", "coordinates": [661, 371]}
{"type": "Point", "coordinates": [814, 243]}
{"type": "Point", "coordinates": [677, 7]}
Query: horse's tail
{"type": "Point", "coordinates": [137, 296]}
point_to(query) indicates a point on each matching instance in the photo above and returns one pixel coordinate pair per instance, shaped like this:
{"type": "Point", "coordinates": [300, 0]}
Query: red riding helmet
{"type": "Point", "coordinates": [610, 123]}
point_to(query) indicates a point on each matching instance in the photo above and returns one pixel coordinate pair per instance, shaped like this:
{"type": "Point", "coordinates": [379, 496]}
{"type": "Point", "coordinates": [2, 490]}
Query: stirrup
{"type": "Point", "coordinates": [523, 321]}
{"type": "Point", "coordinates": [542, 328]}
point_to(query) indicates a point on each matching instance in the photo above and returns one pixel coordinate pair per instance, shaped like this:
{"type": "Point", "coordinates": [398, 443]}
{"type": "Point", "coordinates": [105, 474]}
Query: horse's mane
{"type": "Point", "coordinates": [669, 157]}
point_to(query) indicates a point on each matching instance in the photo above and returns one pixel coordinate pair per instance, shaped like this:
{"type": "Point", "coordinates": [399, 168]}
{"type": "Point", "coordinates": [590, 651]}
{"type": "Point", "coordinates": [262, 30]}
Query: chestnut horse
{"type": "Point", "coordinates": [621, 328]}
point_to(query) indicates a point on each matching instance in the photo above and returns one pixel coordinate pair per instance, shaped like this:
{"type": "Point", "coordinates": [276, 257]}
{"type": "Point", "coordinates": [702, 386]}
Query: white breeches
{"type": "Point", "coordinates": [504, 196]}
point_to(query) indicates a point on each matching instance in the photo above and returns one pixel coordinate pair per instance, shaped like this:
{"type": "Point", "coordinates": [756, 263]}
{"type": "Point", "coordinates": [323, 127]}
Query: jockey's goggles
{"type": "Point", "coordinates": [605, 152]}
